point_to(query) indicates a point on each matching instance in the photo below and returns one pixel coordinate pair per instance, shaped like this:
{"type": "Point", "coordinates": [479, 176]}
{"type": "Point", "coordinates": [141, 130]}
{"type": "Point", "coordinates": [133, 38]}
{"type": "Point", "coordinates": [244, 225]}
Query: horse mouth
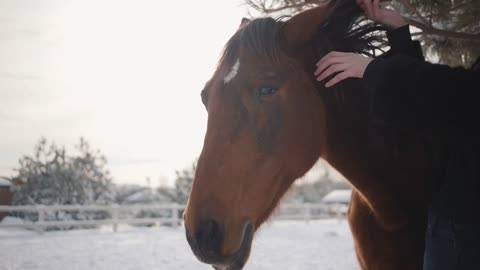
{"type": "Point", "coordinates": [237, 260]}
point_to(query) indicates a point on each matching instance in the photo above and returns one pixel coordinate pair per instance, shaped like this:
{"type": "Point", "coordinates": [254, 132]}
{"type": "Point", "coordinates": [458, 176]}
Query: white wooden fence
{"type": "Point", "coordinates": [114, 213]}
{"type": "Point", "coordinates": [304, 212]}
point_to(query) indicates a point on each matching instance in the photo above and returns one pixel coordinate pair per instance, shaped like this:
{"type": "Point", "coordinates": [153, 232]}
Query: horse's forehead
{"type": "Point", "coordinates": [230, 69]}
{"type": "Point", "coordinates": [222, 84]}
{"type": "Point", "coordinates": [232, 72]}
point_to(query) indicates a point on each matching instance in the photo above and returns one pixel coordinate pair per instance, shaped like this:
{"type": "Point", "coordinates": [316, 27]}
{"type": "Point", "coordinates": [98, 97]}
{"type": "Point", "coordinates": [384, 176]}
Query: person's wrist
{"type": "Point", "coordinates": [366, 63]}
{"type": "Point", "coordinates": [395, 22]}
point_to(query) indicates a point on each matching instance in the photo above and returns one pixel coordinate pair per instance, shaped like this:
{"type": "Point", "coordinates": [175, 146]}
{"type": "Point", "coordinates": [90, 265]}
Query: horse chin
{"type": "Point", "coordinates": [237, 260]}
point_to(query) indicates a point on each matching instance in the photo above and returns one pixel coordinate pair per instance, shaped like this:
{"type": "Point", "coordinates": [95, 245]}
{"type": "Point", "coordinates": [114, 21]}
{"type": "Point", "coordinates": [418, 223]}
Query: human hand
{"type": "Point", "coordinates": [381, 15]}
{"type": "Point", "coordinates": [347, 65]}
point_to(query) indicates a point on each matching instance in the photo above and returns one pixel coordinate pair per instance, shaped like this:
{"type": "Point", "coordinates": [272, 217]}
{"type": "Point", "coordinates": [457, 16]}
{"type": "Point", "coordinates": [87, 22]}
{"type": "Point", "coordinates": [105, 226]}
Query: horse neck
{"type": "Point", "coordinates": [381, 181]}
{"type": "Point", "coordinates": [348, 139]}
{"type": "Point", "coordinates": [347, 109]}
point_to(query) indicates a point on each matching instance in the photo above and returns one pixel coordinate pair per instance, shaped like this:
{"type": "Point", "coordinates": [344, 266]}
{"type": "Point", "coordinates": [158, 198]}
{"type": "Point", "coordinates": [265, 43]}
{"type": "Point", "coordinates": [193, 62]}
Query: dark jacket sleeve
{"type": "Point", "coordinates": [401, 42]}
{"type": "Point", "coordinates": [430, 98]}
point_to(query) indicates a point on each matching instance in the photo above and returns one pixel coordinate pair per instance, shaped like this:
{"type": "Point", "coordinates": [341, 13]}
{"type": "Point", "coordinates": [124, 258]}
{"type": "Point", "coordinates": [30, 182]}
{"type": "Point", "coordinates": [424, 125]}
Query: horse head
{"type": "Point", "coordinates": [266, 128]}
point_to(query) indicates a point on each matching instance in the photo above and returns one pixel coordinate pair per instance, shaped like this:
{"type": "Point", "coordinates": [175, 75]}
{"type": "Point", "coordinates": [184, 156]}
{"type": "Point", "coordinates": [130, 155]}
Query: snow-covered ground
{"type": "Point", "coordinates": [285, 245]}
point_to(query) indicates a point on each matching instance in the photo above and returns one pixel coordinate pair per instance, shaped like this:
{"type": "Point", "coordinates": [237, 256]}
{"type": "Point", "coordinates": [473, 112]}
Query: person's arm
{"type": "Point", "coordinates": [406, 91]}
{"type": "Point", "coordinates": [411, 93]}
{"type": "Point", "coordinates": [415, 94]}
{"type": "Point", "coordinates": [400, 40]}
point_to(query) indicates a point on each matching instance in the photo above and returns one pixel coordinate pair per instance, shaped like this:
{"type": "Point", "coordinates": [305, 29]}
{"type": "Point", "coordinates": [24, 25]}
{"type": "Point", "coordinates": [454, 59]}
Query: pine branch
{"type": "Point", "coordinates": [412, 9]}
{"type": "Point", "coordinates": [458, 6]}
{"type": "Point", "coordinates": [261, 5]}
{"type": "Point", "coordinates": [429, 30]}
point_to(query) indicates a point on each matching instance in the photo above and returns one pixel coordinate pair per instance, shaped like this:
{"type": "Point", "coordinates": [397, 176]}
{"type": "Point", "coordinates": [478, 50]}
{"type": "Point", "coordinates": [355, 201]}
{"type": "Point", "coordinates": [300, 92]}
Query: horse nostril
{"type": "Point", "coordinates": [210, 236]}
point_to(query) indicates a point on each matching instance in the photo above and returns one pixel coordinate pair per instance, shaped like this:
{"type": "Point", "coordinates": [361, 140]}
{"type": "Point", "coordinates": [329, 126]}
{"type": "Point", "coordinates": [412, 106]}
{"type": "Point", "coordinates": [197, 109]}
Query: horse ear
{"type": "Point", "coordinates": [244, 22]}
{"type": "Point", "coordinates": [302, 27]}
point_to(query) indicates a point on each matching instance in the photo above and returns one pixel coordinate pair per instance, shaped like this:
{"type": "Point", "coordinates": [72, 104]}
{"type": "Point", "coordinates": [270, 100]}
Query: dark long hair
{"type": "Point", "coordinates": [347, 29]}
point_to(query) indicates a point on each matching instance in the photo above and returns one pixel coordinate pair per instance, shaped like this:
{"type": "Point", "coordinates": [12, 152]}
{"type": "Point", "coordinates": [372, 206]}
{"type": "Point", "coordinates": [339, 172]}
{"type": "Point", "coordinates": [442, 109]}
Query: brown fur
{"type": "Point", "coordinates": [257, 146]}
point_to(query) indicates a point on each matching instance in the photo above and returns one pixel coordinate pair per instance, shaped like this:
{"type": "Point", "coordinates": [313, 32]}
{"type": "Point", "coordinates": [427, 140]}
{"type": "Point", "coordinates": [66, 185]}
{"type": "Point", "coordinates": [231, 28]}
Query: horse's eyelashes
{"type": "Point", "coordinates": [265, 91]}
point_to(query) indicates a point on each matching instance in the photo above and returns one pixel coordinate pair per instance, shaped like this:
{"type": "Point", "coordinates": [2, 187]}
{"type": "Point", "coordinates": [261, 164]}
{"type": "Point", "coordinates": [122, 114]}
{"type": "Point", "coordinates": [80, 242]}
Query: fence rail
{"type": "Point", "coordinates": [302, 211]}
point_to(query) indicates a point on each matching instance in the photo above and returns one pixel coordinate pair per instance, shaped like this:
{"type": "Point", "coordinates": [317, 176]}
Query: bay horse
{"type": "Point", "coordinates": [269, 121]}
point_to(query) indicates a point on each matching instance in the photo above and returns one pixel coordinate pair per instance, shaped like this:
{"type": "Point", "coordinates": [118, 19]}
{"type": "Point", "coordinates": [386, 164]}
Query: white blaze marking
{"type": "Point", "coordinates": [233, 72]}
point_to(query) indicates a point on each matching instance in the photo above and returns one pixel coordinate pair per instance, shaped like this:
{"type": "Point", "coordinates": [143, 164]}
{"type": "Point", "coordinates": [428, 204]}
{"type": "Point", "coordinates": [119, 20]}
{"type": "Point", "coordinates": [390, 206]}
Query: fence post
{"type": "Point", "coordinates": [338, 212]}
{"type": "Point", "coordinates": [114, 212]}
{"type": "Point", "coordinates": [175, 216]}
{"type": "Point", "coordinates": [41, 219]}
{"type": "Point", "coordinates": [308, 213]}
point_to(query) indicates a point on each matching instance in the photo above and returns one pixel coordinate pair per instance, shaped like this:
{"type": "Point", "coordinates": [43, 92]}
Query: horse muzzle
{"type": "Point", "coordinates": [207, 244]}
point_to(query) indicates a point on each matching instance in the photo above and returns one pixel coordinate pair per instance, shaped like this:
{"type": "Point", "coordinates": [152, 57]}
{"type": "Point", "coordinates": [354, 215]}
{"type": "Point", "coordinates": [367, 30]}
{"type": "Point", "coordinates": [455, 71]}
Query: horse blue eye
{"type": "Point", "coordinates": [266, 91]}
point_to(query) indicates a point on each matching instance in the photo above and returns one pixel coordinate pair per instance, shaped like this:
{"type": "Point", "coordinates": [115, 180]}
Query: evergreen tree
{"type": "Point", "coordinates": [449, 30]}
{"type": "Point", "coordinates": [54, 178]}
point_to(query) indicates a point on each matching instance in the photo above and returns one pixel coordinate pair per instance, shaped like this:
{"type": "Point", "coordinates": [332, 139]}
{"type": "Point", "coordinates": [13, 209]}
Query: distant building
{"type": "Point", "coordinates": [338, 201]}
{"type": "Point", "coordinates": [5, 195]}
{"type": "Point", "coordinates": [146, 196]}
{"type": "Point", "coordinates": [338, 196]}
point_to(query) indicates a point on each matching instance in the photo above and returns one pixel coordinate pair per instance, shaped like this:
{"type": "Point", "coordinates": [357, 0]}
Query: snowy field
{"type": "Point", "coordinates": [285, 245]}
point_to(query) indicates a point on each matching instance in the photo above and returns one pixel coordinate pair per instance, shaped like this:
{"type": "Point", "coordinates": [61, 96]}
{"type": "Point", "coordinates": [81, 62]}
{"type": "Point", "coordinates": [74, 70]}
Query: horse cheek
{"type": "Point", "coordinates": [268, 130]}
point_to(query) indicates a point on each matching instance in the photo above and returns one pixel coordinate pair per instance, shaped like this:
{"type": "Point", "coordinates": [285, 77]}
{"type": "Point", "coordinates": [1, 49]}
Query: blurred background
{"type": "Point", "coordinates": [101, 124]}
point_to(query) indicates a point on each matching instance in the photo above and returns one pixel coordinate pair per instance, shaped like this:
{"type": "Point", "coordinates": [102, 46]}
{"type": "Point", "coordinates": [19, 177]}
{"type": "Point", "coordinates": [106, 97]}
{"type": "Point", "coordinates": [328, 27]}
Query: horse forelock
{"type": "Point", "coordinates": [259, 39]}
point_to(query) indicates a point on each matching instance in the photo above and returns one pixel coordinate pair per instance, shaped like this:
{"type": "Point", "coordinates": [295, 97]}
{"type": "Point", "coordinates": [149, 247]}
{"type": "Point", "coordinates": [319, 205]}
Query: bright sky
{"type": "Point", "coordinates": [125, 74]}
